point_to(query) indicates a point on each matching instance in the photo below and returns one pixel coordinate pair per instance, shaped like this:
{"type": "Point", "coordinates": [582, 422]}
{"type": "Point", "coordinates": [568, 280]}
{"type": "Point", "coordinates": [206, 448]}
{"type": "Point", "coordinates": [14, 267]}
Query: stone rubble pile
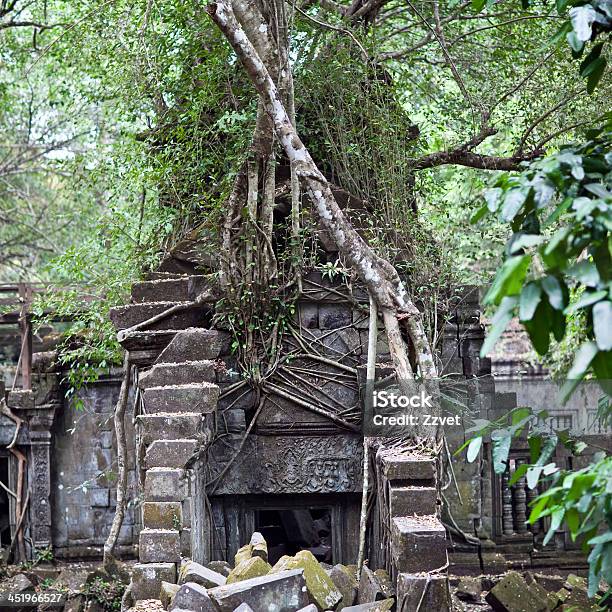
{"type": "Point", "coordinates": [293, 583]}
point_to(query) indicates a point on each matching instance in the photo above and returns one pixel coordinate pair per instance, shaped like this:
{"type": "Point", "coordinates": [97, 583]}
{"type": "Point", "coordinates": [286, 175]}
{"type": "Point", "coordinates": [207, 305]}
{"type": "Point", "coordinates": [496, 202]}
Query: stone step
{"type": "Point", "coordinates": [196, 344]}
{"type": "Point", "coordinates": [165, 484]}
{"type": "Point", "coordinates": [170, 453]}
{"type": "Point", "coordinates": [162, 374]}
{"type": "Point", "coordinates": [159, 546]}
{"type": "Point", "coordinates": [397, 466]}
{"type": "Point", "coordinates": [169, 426]}
{"type": "Point", "coordinates": [147, 579]}
{"type": "Point", "coordinates": [418, 543]}
{"type": "Point", "coordinates": [123, 317]}
{"type": "Point", "coordinates": [195, 397]}
{"type": "Point", "coordinates": [182, 288]}
{"type": "Point", "coordinates": [427, 592]}
{"type": "Point", "coordinates": [162, 515]}
{"type": "Point", "coordinates": [406, 501]}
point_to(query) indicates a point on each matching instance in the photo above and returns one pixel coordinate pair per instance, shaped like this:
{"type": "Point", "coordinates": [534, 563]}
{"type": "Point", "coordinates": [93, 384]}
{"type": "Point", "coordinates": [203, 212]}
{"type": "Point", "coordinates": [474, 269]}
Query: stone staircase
{"type": "Point", "coordinates": [418, 546]}
{"type": "Point", "coordinates": [179, 399]}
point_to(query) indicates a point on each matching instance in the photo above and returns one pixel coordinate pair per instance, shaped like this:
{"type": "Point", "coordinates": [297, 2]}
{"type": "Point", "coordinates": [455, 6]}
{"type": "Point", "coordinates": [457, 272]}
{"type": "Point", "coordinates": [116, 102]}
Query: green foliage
{"type": "Point", "coordinates": [559, 255]}
{"type": "Point", "coordinates": [106, 593]}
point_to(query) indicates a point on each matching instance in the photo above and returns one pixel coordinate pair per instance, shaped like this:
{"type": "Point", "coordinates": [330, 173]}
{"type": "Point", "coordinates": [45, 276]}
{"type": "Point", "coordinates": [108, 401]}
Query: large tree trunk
{"type": "Point", "coordinates": [380, 277]}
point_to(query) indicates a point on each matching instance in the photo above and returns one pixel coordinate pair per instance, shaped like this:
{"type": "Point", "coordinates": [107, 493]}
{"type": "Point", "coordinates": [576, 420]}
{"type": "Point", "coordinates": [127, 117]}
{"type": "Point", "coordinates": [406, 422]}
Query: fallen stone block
{"type": "Point", "coordinates": [147, 579]}
{"type": "Point", "coordinates": [245, 552]}
{"type": "Point", "coordinates": [369, 587]}
{"type": "Point", "coordinates": [249, 568]}
{"type": "Point", "coordinates": [469, 589]}
{"type": "Point", "coordinates": [194, 572]}
{"type": "Point", "coordinates": [386, 584]}
{"type": "Point", "coordinates": [345, 582]}
{"type": "Point", "coordinates": [16, 584]}
{"type": "Point", "coordinates": [221, 567]}
{"type": "Point", "coordinates": [512, 594]}
{"type": "Point", "coordinates": [167, 592]}
{"type": "Point", "coordinates": [431, 592]}
{"type": "Point", "coordinates": [259, 546]}
{"type": "Point", "coordinates": [162, 515]}
{"type": "Point", "coordinates": [195, 397]}
{"type": "Point", "coordinates": [321, 588]}
{"type": "Point", "coordinates": [170, 453]}
{"type": "Point", "coordinates": [192, 596]}
{"type": "Point", "coordinates": [165, 485]}
{"type": "Point", "coordinates": [159, 545]}
{"type": "Point", "coordinates": [377, 606]}
{"type": "Point", "coordinates": [281, 592]}
{"type": "Point", "coordinates": [418, 543]}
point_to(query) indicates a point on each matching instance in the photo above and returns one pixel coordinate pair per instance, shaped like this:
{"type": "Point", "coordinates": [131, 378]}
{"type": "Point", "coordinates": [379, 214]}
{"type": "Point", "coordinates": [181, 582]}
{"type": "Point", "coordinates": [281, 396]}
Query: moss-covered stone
{"type": "Point", "coordinates": [321, 589]}
{"type": "Point", "coordinates": [167, 592]}
{"type": "Point", "coordinates": [244, 553]}
{"type": "Point", "coordinates": [249, 568]}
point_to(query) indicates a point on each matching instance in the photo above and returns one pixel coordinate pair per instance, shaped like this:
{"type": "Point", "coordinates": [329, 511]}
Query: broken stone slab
{"type": "Point", "coordinates": [370, 588]}
{"type": "Point", "coordinates": [406, 501]}
{"type": "Point", "coordinates": [249, 568]}
{"type": "Point", "coordinates": [244, 553]}
{"type": "Point", "coordinates": [162, 374]}
{"type": "Point", "coordinates": [282, 592]}
{"type": "Point", "coordinates": [192, 596]}
{"type": "Point", "coordinates": [469, 589]}
{"type": "Point", "coordinates": [170, 453]}
{"type": "Point", "coordinates": [418, 543]}
{"type": "Point", "coordinates": [16, 584]}
{"type": "Point", "coordinates": [512, 594]}
{"type": "Point", "coordinates": [147, 579]}
{"type": "Point", "coordinates": [195, 344]}
{"type": "Point", "coordinates": [345, 582]}
{"type": "Point", "coordinates": [221, 567]}
{"type": "Point", "coordinates": [321, 588]}
{"type": "Point", "coordinates": [377, 606]}
{"type": "Point", "coordinates": [155, 427]}
{"type": "Point", "coordinates": [165, 485]}
{"type": "Point", "coordinates": [162, 515]}
{"type": "Point", "coordinates": [167, 592]}
{"type": "Point", "coordinates": [259, 546]}
{"type": "Point", "coordinates": [159, 545]}
{"type": "Point", "coordinates": [430, 592]}
{"type": "Point", "coordinates": [194, 397]}
{"type": "Point", "coordinates": [386, 584]}
{"type": "Point", "coordinates": [194, 572]}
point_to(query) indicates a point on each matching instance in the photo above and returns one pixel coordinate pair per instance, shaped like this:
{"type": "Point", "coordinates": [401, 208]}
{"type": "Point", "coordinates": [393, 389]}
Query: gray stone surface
{"type": "Point", "coordinates": [168, 426]}
{"type": "Point", "coordinates": [221, 567]}
{"type": "Point", "coordinates": [512, 594]}
{"type": "Point", "coordinates": [192, 596]}
{"type": "Point", "coordinates": [162, 374]}
{"type": "Point", "coordinates": [418, 543]}
{"type": "Point", "coordinates": [200, 397]}
{"type": "Point", "coordinates": [309, 608]}
{"type": "Point", "coordinates": [159, 546]}
{"type": "Point", "coordinates": [165, 484]}
{"type": "Point", "coordinates": [148, 577]}
{"type": "Point", "coordinates": [161, 290]}
{"type": "Point", "coordinates": [123, 317]}
{"type": "Point", "coordinates": [243, 608]}
{"type": "Point", "coordinates": [345, 582]}
{"type": "Point", "coordinates": [281, 592]}
{"type": "Point", "coordinates": [406, 501]}
{"type": "Point", "coordinates": [195, 344]}
{"type": "Point", "coordinates": [169, 453]}
{"type": "Point", "coordinates": [432, 589]}
{"type": "Point", "coordinates": [379, 606]}
{"type": "Point", "coordinates": [399, 467]}
{"type": "Point", "coordinates": [194, 572]}
{"type": "Point", "coordinates": [162, 515]}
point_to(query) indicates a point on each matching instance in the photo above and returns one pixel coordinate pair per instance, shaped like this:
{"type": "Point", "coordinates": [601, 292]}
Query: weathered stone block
{"type": "Point", "coordinates": [192, 596]}
{"type": "Point", "coordinates": [379, 606]}
{"type": "Point", "coordinates": [249, 568]}
{"type": "Point", "coordinates": [161, 290]}
{"type": "Point", "coordinates": [259, 546]}
{"type": "Point", "coordinates": [162, 515]}
{"type": "Point", "coordinates": [194, 572]}
{"type": "Point", "coordinates": [433, 590]}
{"type": "Point", "coordinates": [406, 501]}
{"type": "Point", "coordinates": [370, 588]}
{"type": "Point", "coordinates": [195, 344]}
{"type": "Point", "coordinates": [221, 567]}
{"type": "Point", "coordinates": [159, 545]}
{"type": "Point", "coordinates": [512, 594]}
{"type": "Point", "coordinates": [244, 552]}
{"type": "Point", "coordinates": [418, 543]}
{"type": "Point", "coordinates": [123, 317]}
{"type": "Point", "coordinates": [231, 421]}
{"type": "Point", "coordinates": [345, 582]}
{"type": "Point", "coordinates": [243, 608]}
{"type": "Point", "coordinates": [186, 542]}
{"type": "Point", "coordinates": [309, 608]}
{"type": "Point", "coordinates": [167, 592]}
{"type": "Point", "coordinates": [162, 374]}
{"type": "Point", "coordinates": [164, 484]}
{"type": "Point", "coordinates": [333, 316]}
{"type": "Point", "coordinates": [200, 397]}
{"type": "Point", "coordinates": [281, 592]}
{"type": "Point", "coordinates": [187, 513]}
{"type": "Point", "coordinates": [321, 589]}
{"type": "Point", "coordinates": [168, 426]}
{"type": "Point", "coordinates": [469, 589]}
{"type": "Point", "coordinates": [400, 467]}
{"type": "Point", "coordinates": [169, 453]}
{"type": "Point", "coordinates": [308, 315]}
{"type": "Point", "coordinates": [147, 579]}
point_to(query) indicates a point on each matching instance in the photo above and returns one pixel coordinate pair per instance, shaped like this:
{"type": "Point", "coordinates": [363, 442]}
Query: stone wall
{"type": "Point", "coordinates": [83, 474]}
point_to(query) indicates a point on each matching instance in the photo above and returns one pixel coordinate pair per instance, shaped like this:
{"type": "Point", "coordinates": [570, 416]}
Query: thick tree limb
{"type": "Point", "coordinates": [463, 157]}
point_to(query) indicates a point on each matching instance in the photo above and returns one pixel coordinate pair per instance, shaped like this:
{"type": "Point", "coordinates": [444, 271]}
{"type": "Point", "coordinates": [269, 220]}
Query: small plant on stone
{"type": "Point", "coordinates": [106, 593]}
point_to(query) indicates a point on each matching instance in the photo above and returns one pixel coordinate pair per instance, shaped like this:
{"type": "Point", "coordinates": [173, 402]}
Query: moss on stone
{"type": "Point", "coordinates": [249, 568]}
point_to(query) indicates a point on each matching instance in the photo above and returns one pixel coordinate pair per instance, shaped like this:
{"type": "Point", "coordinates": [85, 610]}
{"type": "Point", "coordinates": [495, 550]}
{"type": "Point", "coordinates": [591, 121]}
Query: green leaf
{"type": "Point", "coordinates": [518, 474]}
{"type": "Point", "coordinates": [509, 279]}
{"type": "Point", "coordinates": [539, 507]}
{"type": "Point", "coordinates": [500, 451]}
{"type": "Point", "coordinates": [552, 286]}
{"type": "Point", "coordinates": [572, 519]}
{"type": "Point", "coordinates": [474, 449]}
{"type": "Point", "coordinates": [513, 202]}
{"type": "Point", "coordinates": [602, 324]}
{"type": "Point", "coordinates": [586, 273]}
{"type": "Point", "coordinates": [533, 475]}
{"type": "Point", "coordinates": [599, 66]}
{"type": "Point", "coordinates": [529, 300]}
{"type": "Point", "coordinates": [586, 65]}
{"type": "Point", "coordinates": [582, 18]}
{"type": "Point", "coordinates": [478, 5]}
{"type": "Point", "coordinates": [538, 327]}
{"type": "Point", "coordinates": [582, 361]}
{"type": "Point", "coordinates": [586, 299]}
{"type": "Point", "coordinates": [560, 210]}
{"type": "Point", "coordinates": [555, 522]}
{"type": "Point", "coordinates": [499, 322]}
{"type": "Point", "coordinates": [479, 214]}
{"type": "Point", "coordinates": [535, 447]}
{"type": "Point", "coordinates": [523, 241]}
